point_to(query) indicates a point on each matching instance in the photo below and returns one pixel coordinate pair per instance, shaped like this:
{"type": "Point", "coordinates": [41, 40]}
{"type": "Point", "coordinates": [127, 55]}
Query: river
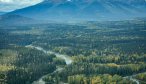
{"type": "Point", "coordinates": [133, 79]}
{"type": "Point", "coordinates": [67, 59]}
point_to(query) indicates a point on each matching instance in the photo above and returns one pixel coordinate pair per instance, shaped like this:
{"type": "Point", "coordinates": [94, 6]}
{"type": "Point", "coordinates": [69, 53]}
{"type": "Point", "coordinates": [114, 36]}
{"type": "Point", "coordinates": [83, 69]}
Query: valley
{"type": "Point", "coordinates": [92, 52]}
{"type": "Point", "coordinates": [73, 42]}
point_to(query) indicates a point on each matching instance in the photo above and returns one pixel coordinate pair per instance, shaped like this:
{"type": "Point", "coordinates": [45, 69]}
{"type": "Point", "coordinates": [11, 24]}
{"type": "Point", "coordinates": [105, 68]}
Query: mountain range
{"type": "Point", "coordinates": [65, 10]}
{"type": "Point", "coordinates": [1, 13]}
{"type": "Point", "coordinates": [6, 20]}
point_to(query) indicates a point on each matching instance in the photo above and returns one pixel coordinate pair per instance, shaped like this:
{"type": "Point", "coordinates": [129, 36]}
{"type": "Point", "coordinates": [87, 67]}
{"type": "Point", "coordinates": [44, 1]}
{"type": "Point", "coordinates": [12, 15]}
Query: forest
{"type": "Point", "coordinates": [110, 52]}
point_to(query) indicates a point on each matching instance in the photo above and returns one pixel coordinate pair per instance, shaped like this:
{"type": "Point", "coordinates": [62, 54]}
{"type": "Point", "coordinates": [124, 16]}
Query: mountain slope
{"type": "Point", "coordinates": [8, 19]}
{"type": "Point", "coordinates": [1, 13]}
{"type": "Point", "coordinates": [85, 10]}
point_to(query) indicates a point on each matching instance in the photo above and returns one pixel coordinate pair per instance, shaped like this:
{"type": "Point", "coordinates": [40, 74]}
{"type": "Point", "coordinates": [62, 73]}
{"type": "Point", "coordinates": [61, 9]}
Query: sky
{"type": "Point", "coordinates": [10, 5]}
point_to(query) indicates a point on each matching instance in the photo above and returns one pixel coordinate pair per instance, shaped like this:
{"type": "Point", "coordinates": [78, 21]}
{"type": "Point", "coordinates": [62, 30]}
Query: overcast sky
{"type": "Point", "coordinates": [10, 5]}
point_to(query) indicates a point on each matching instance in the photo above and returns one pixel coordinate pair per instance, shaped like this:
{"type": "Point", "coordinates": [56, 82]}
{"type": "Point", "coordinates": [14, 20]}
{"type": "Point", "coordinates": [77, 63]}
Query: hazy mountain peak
{"type": "Point", "coordinates": [55, 1]}
{"type": "Point", "coordinates": [84, 9]}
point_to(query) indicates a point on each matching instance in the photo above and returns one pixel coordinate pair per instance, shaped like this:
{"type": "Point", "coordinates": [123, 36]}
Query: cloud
{"type": "Point", "coordinates": [9, 5]}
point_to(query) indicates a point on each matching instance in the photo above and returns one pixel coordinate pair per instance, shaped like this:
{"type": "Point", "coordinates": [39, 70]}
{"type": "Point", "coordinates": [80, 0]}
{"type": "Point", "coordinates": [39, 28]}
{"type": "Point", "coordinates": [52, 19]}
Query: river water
{"type": "Point", "coordinates": [67, 59]}
{"type": "Point", "coordinates": [132, 79]}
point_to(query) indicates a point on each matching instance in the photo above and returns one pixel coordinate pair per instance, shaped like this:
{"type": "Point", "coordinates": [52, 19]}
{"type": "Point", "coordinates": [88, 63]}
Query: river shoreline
{"type": "Point", "coordinates": [67, 59]}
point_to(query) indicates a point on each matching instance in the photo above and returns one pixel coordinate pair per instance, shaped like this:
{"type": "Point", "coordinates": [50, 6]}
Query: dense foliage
{"type": "Point", "coordinates": [102, 52]}
{"type": "Point", "coordinates": [24, 65]}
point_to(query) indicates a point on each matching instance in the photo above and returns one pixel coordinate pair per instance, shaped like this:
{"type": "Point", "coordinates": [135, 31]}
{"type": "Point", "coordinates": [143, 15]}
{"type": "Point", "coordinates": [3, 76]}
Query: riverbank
{"type": "Point", "coordinates": [67, 59]}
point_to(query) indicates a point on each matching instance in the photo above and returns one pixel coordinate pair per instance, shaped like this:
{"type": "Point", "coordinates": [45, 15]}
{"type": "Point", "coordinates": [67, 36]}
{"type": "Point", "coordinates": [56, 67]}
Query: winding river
{"type": "Point", "coordinates": [67, 59]}
{"type": "Point", "coordinates": [132, 79]}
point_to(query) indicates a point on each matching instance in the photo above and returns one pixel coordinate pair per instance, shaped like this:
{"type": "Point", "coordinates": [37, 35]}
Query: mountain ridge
{"type": "Point", "coordinates": [17, 20]}
{"type": "Point", "coordinates": [84, 9]}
